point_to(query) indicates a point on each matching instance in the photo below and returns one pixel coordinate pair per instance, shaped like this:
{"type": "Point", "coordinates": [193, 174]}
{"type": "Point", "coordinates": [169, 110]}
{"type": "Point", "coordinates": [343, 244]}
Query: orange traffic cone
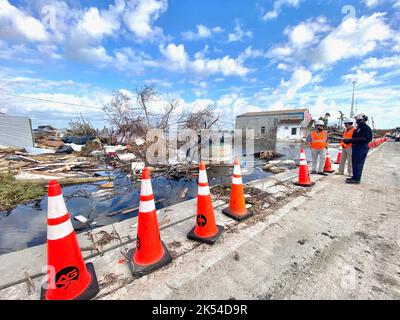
{"type": "Point", "coordinates": [304, 175]}
{"type": "Point", "coordinates": [237, 205]}
{"type": "Point", "coordinates": [339, 156]}
{"type": "Point", "coordinates": [68, 276]}
{"type": "Point", "coordinates": [150, 252]}
{"type": "Point", "coordinates": [328, 164]}
{"type": "Point", "coordinates": [205, 230]}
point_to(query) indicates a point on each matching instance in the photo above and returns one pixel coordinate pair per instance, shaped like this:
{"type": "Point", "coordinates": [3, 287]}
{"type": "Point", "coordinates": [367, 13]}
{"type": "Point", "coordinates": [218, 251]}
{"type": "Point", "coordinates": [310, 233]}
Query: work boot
{"type": "Point", "coordinates": [339, 173]}
{"type": "Point", "coordinates": [323, 174]}
{"type": "Point", "coordinates": [351, 181]}
{"type": "Point", "coordinates": [313, 172]}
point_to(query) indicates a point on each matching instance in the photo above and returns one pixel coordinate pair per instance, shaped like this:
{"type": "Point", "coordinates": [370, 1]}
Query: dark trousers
{"type": "Point", "coordinates": [360, 153]}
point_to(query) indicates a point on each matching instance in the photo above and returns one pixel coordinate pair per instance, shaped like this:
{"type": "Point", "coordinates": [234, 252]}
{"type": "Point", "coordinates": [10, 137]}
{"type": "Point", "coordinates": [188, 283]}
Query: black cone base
{"type": "Point", "coordinates": [305, 185]}
{"type": "Point", "coordinates": [139, 270]}
{"type": "Point", "coordinates": [330, 171]}
{"type": "Point", "coordinates": [227, 211]}
{"type": "Point", "coordinates": [211, 240]}
{"type": "Point", "coordinates": [91, 291]}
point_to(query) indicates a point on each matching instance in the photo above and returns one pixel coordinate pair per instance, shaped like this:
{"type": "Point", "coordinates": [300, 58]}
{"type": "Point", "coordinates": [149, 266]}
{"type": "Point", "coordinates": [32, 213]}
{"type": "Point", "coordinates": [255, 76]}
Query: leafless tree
{"type": "Point", "coordinates": [123, 117]}
{"type": "Point", "coordinates": [205, 118]}
{"type": "Point", "coordinates": [132, 119]}
{"type": "Point", "coordinates": [145, 96]}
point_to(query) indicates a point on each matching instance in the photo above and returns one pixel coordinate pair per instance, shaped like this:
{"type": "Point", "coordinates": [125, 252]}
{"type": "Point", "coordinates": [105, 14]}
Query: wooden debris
{"type": "Point", "coordinates": [30, 283]}
{"type": "Point", "coordinates": [107, 185]}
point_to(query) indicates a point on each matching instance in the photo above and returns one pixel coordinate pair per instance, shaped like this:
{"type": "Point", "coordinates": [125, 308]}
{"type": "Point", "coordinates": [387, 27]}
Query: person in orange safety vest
{"type": "Point", "coordinates": [347, 148]}
{"type": "Point", "coordinates": [318, 143]}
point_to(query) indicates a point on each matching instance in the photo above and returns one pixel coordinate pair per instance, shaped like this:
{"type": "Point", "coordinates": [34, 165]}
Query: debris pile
{"type": "Point", "coordinates": [267, 155]}
{"type": "Point", "coordinates": [46, 136]}
{"type": "Point", "coordinates": [279, 166]}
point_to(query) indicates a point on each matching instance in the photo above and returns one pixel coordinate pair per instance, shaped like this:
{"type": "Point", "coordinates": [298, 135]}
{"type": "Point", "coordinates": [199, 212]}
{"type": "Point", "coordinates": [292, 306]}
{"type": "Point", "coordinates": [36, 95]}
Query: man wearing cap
{"type": "Point", "coordinates": [318, 143]}
{"type": "Point", "coordinates": [360, 140]}
{"type": "Point", "coordinates": [347, 148]}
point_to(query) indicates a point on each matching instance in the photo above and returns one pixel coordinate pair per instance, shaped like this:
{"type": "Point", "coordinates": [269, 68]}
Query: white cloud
{"type": "Point", "coordinates": [362, 78]}
{"type": "Point", "coordinates": [372, 3]}
{"type": "Point", "coordinates": [202, 32]}
{"type": "Point", "coordinates": [376, 63]}
{"type": "Point", "coordinates": [249, 52]}
{"type": "Point", "coordinates": [92, 26]}
{"type": "Point", "coordinates": [140, 16]}
{"type": "Point", "coordinates": [178, 60]}
{"type": "Point", "coordinates": [282, 66]}
{"type": "Point", "coordinates": [239, 33]}
{"type": "Point", "coordinates": [96, 54]}
{"type": "Point", "coordinates": [318, 44]}
{"type": "Point", "coordinates": [354, 37]}
{"type": "Point", "coordinates": [96, 25]}
{"type": "Point", "coordinates": [299, 79]}
{"type": "Point", "coordinates": [305, 33]}
{"type": "Point", "coordinates": [280, 52]}
{"type": "Point", "coordinates": [18, 26]}
{"type": "Point", "coordinates": [278, 4]}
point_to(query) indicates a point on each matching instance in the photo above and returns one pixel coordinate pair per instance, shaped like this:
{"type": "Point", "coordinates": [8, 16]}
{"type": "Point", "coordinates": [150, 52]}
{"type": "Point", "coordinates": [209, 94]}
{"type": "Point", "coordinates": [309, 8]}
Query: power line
{"type": "Point", "coordinates": [52, 101]}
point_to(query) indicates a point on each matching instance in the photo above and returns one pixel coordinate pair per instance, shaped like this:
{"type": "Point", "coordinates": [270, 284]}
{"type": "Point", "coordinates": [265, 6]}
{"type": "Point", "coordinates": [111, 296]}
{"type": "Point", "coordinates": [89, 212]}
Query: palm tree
{"type": "Point", "coordinates": [341, 119]}
{"type": "Point", "coordinates": [325, 118]}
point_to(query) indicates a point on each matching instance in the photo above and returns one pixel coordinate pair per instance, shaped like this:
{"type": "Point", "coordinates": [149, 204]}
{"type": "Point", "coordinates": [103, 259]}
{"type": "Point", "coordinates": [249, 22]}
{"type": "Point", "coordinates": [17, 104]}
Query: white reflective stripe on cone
{"type": "Point", "coordinates": [203, 176]}
{"type": "Point", "coordinates": [56, 207]}
{"type": "Point", "coordinates": [147, 206]}
{"type": "Point", "coordinates": [204, 191]}
{"type": "Point", "coordinates": [303, 163]}
{"type": "Point", "coordinates": [236, 170]}
{"type": "Point", "coordinates": [145, 188]}
{"type": "Point", "coordinates": [59, 231]}
{"type": "Point", "coordinates": [237, 180]}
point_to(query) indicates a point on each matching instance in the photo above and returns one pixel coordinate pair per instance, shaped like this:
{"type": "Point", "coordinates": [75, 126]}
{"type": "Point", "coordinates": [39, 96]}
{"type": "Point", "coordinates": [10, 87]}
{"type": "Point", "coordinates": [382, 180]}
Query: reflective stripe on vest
{"type": "Point", "coordinates": [348, 134]}
{"type": "Point", "coordinates": [319, 140]}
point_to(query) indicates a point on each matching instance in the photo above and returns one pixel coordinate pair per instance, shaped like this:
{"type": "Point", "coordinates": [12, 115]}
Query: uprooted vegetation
{"type": "Point", "coordinates": [13, 192]}
{"type": "Point", "coordinates": [81, 127]}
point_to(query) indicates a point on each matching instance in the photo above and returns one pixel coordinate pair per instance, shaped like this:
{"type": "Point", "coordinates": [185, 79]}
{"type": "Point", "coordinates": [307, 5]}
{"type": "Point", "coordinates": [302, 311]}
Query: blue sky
{"type": "Point", "coordinates": [240, 56]}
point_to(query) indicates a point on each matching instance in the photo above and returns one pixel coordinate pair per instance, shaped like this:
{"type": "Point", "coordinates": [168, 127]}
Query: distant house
{"type": "Point", "coordinates": [281, 125]}
{"type": "Point", "coordinates": [16, 131]}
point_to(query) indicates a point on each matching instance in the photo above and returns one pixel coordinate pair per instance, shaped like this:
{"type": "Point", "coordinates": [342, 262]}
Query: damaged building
{"type": "Point", "coordinates": [279, 125]}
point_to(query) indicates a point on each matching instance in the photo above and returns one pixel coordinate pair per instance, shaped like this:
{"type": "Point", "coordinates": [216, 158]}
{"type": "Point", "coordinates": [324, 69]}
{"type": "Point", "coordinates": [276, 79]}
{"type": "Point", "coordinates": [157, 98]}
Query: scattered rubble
{"type": "Point", "coordinates": [267, 155]}
{"type": "Point", "coordinates": [279, 166]}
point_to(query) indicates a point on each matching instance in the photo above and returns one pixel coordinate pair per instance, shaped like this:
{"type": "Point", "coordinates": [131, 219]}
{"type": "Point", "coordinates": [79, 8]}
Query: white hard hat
{"type": "Point", "coordinates": [320, 123]}
{"type": "Point", "coordinates": [348, 120]}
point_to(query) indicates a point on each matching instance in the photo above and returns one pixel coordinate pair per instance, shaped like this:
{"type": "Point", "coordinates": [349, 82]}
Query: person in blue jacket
{"type": "Point", "coordinates": [361, 138]}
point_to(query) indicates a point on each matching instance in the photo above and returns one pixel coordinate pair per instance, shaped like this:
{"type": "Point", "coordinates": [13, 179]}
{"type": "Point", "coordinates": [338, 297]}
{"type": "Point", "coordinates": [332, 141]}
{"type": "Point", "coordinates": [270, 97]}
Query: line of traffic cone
{"type": "Point", "coordinates": [328, 164]}
{"type": "Point", "coordinates": [205, 230]}
{"type": "Point", "coordinates": [150, 252]}
{"type": "Point", "coordinates": [69, 278]}
{"type": "Point", "coordinates": [237, 205]}
{"type": "Point", "coordinates": [304, 174]}
{"type": "Point", "coordinates": [339, 156]}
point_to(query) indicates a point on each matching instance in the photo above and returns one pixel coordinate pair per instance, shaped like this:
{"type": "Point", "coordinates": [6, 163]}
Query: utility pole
{"type": "Point", "coordinates": [352, 100]}
{"type": "Point", "coordinates": [356, 109]}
